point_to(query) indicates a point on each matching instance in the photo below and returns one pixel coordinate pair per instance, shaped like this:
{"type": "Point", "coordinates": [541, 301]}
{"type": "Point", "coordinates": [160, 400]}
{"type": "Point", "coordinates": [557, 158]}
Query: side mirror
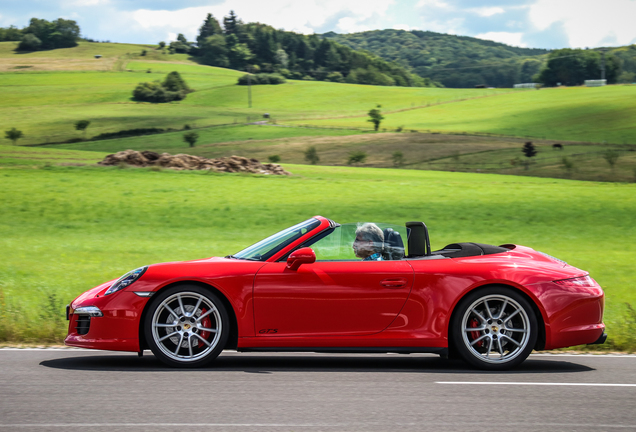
{"type": "Point", "coordinates": [299, 257]}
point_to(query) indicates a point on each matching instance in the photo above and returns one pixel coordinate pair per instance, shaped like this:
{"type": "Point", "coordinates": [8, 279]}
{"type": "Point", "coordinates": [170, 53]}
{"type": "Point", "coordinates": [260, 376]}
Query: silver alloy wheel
{"type": "Point", "coordinates": [495, 329]}
{"type": "Point", "coordinates": [186, 326]}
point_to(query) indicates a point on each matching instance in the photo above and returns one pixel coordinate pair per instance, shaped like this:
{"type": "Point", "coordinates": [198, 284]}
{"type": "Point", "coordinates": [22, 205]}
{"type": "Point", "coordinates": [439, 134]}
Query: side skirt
{"type": "Point", "coordinates": [351, 350]}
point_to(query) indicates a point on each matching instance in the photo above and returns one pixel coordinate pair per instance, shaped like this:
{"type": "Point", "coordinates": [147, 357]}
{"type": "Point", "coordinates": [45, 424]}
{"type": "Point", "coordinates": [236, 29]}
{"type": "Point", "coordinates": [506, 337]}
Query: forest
{"type": "Point", "coordinates": [259, 48]}
{"type": "Point", "coordinates": [463, 62]}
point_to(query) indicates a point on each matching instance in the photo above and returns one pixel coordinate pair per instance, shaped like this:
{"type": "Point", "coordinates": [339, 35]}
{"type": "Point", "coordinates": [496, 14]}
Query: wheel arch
{"type": "Point", "coordinates": [232, 340]}
{"type": "Point", "coordinates": [541, 337]}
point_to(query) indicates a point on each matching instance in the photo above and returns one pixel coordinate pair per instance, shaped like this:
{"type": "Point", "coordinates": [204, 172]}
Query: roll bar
{"type": "Point", "coordinates": [418, 241]}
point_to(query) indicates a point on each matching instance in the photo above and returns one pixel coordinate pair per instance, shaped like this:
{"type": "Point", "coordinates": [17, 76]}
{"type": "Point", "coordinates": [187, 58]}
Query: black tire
{"type": "Point", "coordinates": [186, 326]}
{"type": "Point", "coordinates": [505, 328]}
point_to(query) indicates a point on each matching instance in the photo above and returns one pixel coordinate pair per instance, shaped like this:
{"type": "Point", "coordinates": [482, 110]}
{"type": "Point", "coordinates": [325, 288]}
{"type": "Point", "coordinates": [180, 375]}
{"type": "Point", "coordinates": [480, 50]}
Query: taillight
{"type": "Point", "coordinates": [581, 281]}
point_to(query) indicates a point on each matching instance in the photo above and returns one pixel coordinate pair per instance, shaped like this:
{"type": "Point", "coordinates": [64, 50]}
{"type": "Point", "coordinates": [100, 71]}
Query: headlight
{"type": "Point", "coordinates": [126, 280]}
{"type": "Point", "coordinates": [92, 311]}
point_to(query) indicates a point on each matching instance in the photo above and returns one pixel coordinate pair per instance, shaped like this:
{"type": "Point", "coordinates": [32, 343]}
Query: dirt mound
{"type": "Point", "coordinates": [189, 162]}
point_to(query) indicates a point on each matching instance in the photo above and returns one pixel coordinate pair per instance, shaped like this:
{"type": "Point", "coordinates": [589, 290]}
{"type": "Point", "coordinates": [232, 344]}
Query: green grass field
{"type": "Point", "coordinates": [64, 229]}
{"type": "Point", "coordinates": [598, 114]}
{"type": "Point", "coordinates": [79, 58]}
{"type": "Point", "coordinates": [44, 105]}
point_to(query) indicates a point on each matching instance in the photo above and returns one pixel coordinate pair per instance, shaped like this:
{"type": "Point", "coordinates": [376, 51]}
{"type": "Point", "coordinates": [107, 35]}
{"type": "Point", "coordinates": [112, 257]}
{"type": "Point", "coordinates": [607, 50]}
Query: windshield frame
{"type": "Point", "coordinates": [270, 246]}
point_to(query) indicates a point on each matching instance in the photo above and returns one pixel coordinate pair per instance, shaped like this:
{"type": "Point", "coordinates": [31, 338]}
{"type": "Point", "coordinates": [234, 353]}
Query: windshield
{"type": "Point", "coordinates": [264, 249]}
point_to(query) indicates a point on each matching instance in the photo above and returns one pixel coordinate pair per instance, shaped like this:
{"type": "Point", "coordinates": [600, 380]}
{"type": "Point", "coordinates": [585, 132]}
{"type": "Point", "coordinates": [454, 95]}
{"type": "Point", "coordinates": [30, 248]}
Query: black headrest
{"type": "Point", "coordinates": [393, 245]}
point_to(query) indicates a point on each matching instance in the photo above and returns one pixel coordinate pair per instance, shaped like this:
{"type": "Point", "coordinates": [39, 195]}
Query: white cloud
{"type": "Point", "coordinates": [453, 26]}
{"type": "Point", "coordinates": [300, 16]}
{"type": "Point", "coordinates": [84, 3]}
{"type": "Point", "coordinates": [403, 27]}
{"type": "Point", "coordinates": [350, 25]}
{"type": "Point", "coordinates": [487, 11]}
{"type": "Point", "coordinates": [508, 38]}
{"type": "Point", "coordinates": [588, 22]}
{"type": "Point", "coordinates": [433, 3]}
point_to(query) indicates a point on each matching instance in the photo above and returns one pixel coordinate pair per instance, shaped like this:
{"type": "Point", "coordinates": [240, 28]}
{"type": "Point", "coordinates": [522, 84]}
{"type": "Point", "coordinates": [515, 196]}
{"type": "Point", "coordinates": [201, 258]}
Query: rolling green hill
{"type": "Point", "coordinates": [455, 61]}
{"type": "Point", "coordinates": [45, 105]}
{"type": "Point", "coordinates": [79, 58]}
{"type": "Point", "coordinates": [595, 114]}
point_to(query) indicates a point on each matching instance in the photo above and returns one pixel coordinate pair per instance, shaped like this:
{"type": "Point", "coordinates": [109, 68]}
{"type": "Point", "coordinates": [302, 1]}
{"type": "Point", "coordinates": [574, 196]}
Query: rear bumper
{"type": "Point", "coordinates": [600, 340]}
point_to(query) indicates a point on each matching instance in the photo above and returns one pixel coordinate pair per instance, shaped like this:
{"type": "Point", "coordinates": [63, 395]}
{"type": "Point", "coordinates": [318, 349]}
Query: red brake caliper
{"type": "Point", "coordinates": [475, 334]}
{"type": "Point", "coordinates": [205, 322]}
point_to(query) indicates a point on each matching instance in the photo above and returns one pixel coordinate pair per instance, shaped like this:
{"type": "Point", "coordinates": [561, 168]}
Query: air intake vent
{"type": "Point", "coordinates": [83, 324]}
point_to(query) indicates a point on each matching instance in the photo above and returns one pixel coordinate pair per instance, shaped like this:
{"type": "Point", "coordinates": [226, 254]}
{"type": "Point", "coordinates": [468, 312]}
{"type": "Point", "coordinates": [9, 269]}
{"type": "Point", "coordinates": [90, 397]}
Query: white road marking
{"type": "Point", "coordinates": [602, 355]}
{"type": "Point", "coordinates": [180, 425]}
{"type": "Point", "coordinates": [534, 383]}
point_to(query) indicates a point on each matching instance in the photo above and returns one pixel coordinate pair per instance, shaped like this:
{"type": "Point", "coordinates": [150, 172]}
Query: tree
{"type": "Point", "coordinates": [10, 33]}
{"type": "Point", "coordinates": [173, 88]}
{"type": "Point", "coordinates": [30, 42]}
{"type": "Point", "coordinates": [13, 134]}
{"type": "Point", "coordinates": [356, 157]}
{"type": "Point", "coordinates": [162, 44]}
{"type": "Point", "coordinates": [239, 55]}
{"type": "Point", "coordinates": [311, 155]}
{"type": "Point", "coordinates": [282, 58]}
{"type": "Point", "coordinates": [214, 51]}
{"type": "Point", "coordinates": [175, 83]}
{"type": "Point", "coordinates": [60, 33]}
{"type": "Point", "coordinates": [273, 158]}
{"type": "Point", "coordinates": [81, 125]}
{"type": "Point", "coordinates": [398, 159]}
{"type": "Point", "coordinates": [232, 24]}
{"type": "Point", "coordinates": [181, 38]}
{"type": "Point", "coordinates": [255, 79]}
{"type": "Point", "coordinates": [529, 150]}
{"type": "Point", "coordinates": [611, 156]}
{"type": "Point", "coordinates": [376, 117]}
{"type": "Point", "coordinates": [573, 66]}
{"type": "Point", "coordinates": [210, 27]}
{"type": "Point", "coordinates": [191, 138]}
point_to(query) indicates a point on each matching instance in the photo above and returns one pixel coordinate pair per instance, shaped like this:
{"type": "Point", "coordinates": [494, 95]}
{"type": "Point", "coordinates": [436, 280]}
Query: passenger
{"type": "Point", "coordinates": [368, 243]}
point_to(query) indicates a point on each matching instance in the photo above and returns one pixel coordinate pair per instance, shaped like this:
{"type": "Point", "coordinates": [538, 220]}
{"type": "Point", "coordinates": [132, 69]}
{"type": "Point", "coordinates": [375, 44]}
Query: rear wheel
{"type": "Point", "coordinates": [186, 326]}
{"type": "Point", "coordinates": [494, 328]}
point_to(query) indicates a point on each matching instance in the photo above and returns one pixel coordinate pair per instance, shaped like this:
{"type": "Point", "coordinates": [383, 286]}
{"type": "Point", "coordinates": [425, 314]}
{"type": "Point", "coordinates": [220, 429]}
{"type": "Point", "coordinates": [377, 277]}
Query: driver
{"type": "Point", "coordinates": [368, 243]}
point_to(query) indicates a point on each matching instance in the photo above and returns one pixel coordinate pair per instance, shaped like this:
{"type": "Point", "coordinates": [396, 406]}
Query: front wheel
{"type": "Point", "coordinates": [494, 328]}
{"type": "Point", "coordinates": [186, 326]}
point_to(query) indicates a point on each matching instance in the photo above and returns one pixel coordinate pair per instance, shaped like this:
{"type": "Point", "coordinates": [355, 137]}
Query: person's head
{"type": "Point", "coordinates": [369, 240]}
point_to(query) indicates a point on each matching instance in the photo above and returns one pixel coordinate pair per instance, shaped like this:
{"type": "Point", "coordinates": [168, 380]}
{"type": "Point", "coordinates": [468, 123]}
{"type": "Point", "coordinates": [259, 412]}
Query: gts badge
{"type": "Point", "coordinates": [268, 331]}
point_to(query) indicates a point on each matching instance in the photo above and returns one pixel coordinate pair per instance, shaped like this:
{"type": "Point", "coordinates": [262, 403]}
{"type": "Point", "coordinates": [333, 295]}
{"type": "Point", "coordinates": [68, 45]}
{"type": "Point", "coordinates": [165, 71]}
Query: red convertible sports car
{"type": "Point", "coordinates": [354, 288]}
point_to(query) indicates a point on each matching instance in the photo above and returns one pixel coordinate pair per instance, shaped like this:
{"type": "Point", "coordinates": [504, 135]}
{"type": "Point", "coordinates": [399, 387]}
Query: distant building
{"type": "Point", "coordinates": [595, 83]}
{"type": "Point", "coordinates": [526, 85]}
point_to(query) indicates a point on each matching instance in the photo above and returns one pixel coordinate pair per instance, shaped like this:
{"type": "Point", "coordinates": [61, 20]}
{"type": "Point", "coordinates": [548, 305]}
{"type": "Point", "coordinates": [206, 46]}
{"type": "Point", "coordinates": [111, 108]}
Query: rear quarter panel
{"type": "Point", "coordinates": [441, 283]}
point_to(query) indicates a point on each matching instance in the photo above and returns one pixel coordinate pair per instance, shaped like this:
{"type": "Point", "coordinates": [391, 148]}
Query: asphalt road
{"type": "Point", "coordinates": [75, 390]}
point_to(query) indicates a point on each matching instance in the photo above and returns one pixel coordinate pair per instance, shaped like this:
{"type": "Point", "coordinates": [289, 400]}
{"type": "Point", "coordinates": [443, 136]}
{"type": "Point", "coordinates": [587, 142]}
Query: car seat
{"type": "Point", "coordinates": [393, 245]}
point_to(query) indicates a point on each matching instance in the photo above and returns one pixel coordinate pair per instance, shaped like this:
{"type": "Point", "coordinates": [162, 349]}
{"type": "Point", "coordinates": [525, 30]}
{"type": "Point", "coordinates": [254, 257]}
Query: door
{"type": "Point", "coordinates": [330, 297]}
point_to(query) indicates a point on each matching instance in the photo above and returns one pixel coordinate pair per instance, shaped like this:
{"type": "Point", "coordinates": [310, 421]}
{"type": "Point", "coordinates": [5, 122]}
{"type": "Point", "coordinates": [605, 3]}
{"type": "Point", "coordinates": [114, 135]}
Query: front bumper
{"type": "Point", "coordinates": [105, 322]}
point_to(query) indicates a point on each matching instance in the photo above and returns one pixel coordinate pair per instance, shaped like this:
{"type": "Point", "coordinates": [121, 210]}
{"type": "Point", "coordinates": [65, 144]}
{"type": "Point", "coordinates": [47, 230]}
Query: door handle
{"type": "Point", "coordinates": [393, 283]}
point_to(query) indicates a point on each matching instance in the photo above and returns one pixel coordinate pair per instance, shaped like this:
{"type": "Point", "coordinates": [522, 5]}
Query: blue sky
{"type": "Point", "coordinates": [528, 23]}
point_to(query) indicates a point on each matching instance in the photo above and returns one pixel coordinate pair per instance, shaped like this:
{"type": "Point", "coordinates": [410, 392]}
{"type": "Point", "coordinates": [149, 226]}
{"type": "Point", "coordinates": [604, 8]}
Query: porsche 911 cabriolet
{"type": "Point", "coordinates": [320, 286]}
